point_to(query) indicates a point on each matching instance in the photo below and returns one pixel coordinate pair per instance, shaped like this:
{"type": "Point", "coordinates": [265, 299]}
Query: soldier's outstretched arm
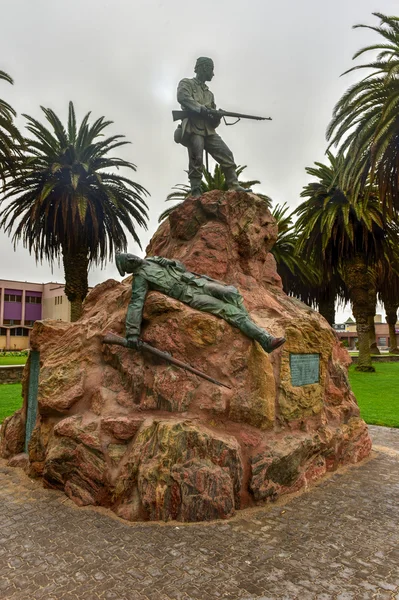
{"type": "Point", "coordinates": [168, 262]}
{"type": "Point", "coordinates": [210, 279]}
{"type": "Point", "coordinates": [135, 309]}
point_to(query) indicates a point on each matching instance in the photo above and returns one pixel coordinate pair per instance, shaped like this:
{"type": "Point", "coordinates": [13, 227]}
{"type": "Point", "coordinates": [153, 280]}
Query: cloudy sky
{"type": "Point", "coordinates": [123, 59]}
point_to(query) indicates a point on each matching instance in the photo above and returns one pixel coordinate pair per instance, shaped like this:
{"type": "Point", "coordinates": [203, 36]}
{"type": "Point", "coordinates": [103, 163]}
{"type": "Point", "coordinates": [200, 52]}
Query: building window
{"type": "Point", "coordinates": [29, 323]}
{"type": "Point", "coordinates": [3, 331]}
{"type": "Point", "coordinates": [33, 300]}
{"type": "Point", "coordinates": [382, 341]}
{"type": "Point", "coordinates": [12, 321]}
{"type": "Point", "coordinates": [12, 298]}
{"type": "Point", "coordinates": [19, 332]}
{"type": "Point", "coordinates": [58, 300]}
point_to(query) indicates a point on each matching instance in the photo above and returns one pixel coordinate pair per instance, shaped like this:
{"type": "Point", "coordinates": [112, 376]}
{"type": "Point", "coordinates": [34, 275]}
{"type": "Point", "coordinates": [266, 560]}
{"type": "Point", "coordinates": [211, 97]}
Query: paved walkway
{"type": "Point", "coordinates": [341, 541]}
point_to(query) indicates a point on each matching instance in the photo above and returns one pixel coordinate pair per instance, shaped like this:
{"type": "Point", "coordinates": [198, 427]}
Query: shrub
{"type": "Point", "coordinates": [14, 352]}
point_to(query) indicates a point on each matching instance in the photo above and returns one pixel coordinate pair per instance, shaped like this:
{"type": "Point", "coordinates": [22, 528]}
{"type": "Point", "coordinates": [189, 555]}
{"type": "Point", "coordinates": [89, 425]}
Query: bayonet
{"type": "Point", "coordinates": [112, 338]}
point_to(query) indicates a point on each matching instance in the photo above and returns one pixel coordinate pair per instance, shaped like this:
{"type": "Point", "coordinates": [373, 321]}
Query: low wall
{"type": "Point", "coordinates": [11, 373]}
{"type": "Point", "coordinates": [382, 358]}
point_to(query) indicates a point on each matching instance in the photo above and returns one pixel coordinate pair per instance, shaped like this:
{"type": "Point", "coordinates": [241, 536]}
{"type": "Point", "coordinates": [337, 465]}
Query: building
{"type": "Point", "coordinates": [347, 332]}
{"type": "Point", "coordinates": [23, 303]}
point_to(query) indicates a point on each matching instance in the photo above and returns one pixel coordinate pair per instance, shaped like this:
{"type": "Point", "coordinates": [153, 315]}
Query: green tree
{"type": "Point", "coordinates": [69, 201]}
{"type": "Point", "coordinates": [215, 181]}
{"type": "Point", "coordinates": [366, 120]}
{"type": "Point", "coordinates": [10, 138]}
{"type": "Point", "coordinates": [346, 238]}
{"type": "Point", "coordinates": [388, 294]}
{"type": "Point", "coordinates": [298, 276]}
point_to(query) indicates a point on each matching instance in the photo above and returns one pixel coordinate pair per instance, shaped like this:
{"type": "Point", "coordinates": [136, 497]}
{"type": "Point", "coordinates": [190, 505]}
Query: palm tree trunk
{"type": "Point", "coordinates": [373, 306]}
{"type": "Point", "coordinates": [358, 280]}
{"type": "Point", "coordinates": [76, 266]}
{"type": "Point", "coordinates": [393, 344]}
{"type": "Point", "coordinates": [373, 342]}
{"type": "Point", "coordinates": [327, 309]}
{"type": "Point", "coordinates": [391, 316]}
{"type": "Point", "coordinates": [363, 334]}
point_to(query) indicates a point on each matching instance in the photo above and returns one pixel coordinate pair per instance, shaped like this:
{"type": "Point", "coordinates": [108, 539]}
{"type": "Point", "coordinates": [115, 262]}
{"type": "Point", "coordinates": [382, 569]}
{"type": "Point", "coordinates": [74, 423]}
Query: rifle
{"type": "Point", "coordinates": [112, 338]}
{"type": "Point", "coordinates": [211, 112]}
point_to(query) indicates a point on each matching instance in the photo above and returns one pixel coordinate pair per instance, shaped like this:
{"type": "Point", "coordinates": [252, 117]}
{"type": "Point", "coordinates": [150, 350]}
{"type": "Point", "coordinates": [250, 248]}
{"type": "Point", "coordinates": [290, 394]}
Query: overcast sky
{"type": "Point", "coordinates": [122, 59]}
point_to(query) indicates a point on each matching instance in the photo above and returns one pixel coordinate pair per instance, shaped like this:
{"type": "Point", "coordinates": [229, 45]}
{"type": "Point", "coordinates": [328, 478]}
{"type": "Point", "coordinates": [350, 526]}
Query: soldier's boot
{"type": "Point", "coordinates": [232, 180]}
{"type": "Point", "coordinates": [267, 341]}
{"type": "Point", "coordinates": [196, 191]}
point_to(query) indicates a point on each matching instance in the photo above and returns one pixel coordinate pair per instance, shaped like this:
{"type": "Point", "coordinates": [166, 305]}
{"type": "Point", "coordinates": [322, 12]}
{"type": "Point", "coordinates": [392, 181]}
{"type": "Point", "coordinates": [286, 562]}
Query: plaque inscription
{"type": "Point", "coordinates": [305, 369]}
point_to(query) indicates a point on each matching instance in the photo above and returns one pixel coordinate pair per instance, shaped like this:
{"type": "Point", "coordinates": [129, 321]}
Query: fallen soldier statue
{"type": "Point", "coordinates": [203, 293]}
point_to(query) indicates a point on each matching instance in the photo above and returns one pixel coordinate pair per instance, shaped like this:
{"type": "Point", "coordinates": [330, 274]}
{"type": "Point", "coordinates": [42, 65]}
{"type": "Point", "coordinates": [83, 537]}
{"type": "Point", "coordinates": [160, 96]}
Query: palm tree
{"type": "Point", "coordinates": [297, 275]}
{"type": "Point", "coordinates": [209, 182]}
{"type": "Point", "coordinates": [391, 310]}
{"type": "Point", "coordinates": [346, 238]}
{"type": "Point", "coordinates": [69, 201]}
{"type": "Point", "coordinates": [366, 120]}
{"type": "Point", "coordinates": [388, 293]}
{"type": "Point", "coordinates": [10, 138]}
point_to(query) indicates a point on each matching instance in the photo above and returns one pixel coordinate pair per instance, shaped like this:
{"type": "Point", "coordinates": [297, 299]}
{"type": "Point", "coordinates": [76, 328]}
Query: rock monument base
{"type": "Point", "coordinates": [125, 430]}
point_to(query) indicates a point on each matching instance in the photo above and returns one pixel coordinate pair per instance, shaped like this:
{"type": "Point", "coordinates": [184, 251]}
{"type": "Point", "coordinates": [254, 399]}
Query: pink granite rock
{"type": "Point", "coordinates": [12, 438]}
{"type": "Point", "coordinates": [181, 469]}
{"type": "Point", "coordinates": [122, 429]}
{"type": "Point", "coordinates": [19, 460]}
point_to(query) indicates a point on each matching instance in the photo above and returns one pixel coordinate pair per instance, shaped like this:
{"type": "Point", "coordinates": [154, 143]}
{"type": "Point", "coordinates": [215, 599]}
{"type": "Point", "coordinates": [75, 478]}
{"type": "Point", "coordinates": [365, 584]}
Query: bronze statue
{"type": "Point", "coordinates": [197, 131]}
{"type": "Point", "coordinates": [198, 291]}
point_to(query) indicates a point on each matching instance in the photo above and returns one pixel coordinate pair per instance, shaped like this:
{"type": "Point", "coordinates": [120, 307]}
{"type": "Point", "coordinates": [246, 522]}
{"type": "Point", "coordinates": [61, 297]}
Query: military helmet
{"type": "Point", "coordinates": [120, 260]}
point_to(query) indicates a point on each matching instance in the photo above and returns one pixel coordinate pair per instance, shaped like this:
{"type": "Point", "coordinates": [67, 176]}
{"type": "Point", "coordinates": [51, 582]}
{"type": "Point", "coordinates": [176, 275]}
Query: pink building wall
{"type": "Point", "coordinates": [13, 310]}
{"type": "Point", "coordinates": [25, 311]}
{"type": "Point", "coordinates": [33, 312]}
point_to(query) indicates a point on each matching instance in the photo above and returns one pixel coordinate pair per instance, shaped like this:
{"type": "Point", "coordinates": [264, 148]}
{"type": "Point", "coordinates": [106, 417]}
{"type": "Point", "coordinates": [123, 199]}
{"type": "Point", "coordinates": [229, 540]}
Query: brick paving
{"type": "Point", "coordinates": [338, 541]}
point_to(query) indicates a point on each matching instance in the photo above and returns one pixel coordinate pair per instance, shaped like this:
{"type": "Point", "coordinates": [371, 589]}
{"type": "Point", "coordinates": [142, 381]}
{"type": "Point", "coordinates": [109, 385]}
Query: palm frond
{"type": "Point", "coordinates": [69, 197]}
{"type": "Point", "coordinates": [11, 141]}
{"type": "Point", "coordinates": [365, 122]}
{"type": "Point", "coordinates": [210, 181]}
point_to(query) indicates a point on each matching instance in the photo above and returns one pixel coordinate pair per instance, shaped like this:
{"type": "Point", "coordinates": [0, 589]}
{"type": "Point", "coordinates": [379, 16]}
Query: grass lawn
{"type": "Point", "coordinates": [13, 360]}
{"type": "Point", "coordinates": [377, 394]}
{"type": "Point", "coordinates": [10, 399]}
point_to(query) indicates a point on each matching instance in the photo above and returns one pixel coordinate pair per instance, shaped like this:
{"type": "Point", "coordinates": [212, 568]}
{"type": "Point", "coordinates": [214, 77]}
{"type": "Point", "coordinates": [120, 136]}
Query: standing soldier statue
{"type": "Point", "coordinates": [197, 131]}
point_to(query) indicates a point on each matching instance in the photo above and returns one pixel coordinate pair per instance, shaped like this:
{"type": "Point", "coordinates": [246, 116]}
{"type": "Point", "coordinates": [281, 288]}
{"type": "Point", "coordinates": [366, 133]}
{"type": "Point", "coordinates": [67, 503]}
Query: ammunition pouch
{"type": "Point", "coordinates": [179, 137]}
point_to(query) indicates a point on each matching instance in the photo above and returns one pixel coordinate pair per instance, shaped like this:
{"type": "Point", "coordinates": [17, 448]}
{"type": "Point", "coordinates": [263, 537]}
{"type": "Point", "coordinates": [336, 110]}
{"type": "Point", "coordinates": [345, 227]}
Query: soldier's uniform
{"type": "Point", "coordinates": [198, 291]}
{"type": "Point", "coordinates": [198, 134]}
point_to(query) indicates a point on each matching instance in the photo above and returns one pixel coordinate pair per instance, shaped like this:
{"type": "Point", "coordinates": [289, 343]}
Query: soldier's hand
{"type": "Point", "coordinates": [214, 119]}
{"type": "Point", "coordinates": [205, 111]}
{"type": "Point", "coordinates": [133, 342]}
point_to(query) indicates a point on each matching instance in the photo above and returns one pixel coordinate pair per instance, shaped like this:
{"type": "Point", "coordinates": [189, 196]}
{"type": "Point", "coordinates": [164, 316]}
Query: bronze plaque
{"type": "Point", "coordinates": [305, 369]}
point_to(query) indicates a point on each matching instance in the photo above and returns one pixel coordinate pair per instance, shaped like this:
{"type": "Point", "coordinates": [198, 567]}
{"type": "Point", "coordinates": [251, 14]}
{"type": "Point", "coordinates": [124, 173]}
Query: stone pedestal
{"type": "Point", "coordinates": [122, 429]}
